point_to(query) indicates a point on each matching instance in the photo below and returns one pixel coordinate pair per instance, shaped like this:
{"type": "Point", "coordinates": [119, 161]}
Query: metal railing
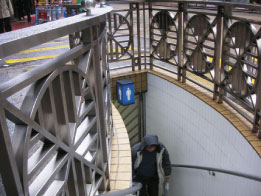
{"type": "Point", "coordinates": [54, 140]}
{"type": "Point", "coordinates": [217, 46]}
{"type": "Point", "coordinates": [212, 171]}
{"type": "Point", "coordinates": [132, 190]}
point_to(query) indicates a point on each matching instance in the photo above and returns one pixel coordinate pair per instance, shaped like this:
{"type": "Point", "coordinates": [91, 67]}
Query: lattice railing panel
{"type": "Point", "coordinates": [215, 47]}
{"type": "Point", "coordinates": [56, 139]}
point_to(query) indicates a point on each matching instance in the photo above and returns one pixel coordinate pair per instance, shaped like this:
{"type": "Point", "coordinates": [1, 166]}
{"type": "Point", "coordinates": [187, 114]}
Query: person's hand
{"type": "Point", "coordinates": [166, 180]}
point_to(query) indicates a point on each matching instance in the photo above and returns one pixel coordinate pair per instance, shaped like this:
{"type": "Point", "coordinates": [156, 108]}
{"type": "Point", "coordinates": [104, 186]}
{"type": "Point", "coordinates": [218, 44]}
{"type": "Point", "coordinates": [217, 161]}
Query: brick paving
{"type": "Point", "coordinates": [16, 24]}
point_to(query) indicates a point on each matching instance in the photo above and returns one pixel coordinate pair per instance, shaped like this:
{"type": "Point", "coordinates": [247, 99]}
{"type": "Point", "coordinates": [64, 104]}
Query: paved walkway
{"type": "Point", "coordinates": [16, 24]}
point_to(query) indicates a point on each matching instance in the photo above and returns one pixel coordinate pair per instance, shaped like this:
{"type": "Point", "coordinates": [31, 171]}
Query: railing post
{"type": "Point", "coordinates": [151, 49]}
{"type": "Point", "coordinates": [99, 98]}
{"type": "Point", "coordinates": [138, 35]}
{"type": "Point", "coordinates": [132, 35]}
{"type": "Point", "coordinates": [223, 14]}
{"type": "Point", "coordinates": [8, 169]}
{"type": "Point", "coordinates": [257, 118]}
{"type": "Point", "coordinates": [181, 71]}
{"type": "Point", "coordinates": [110, 55]}
{"type": "Point", "coordinates": [218, 51]}
{"type": "Point", "coordinates": [144, 36]}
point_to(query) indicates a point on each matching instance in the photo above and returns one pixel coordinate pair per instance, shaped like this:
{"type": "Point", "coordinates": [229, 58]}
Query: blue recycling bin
{"type": "Point", "coordinates": [125, 92]}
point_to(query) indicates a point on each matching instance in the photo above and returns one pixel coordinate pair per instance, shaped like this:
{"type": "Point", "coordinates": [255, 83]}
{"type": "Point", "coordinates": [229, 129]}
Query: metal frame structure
{"type": "Point", "coordinates": [57, 141]}
{"type": "Point", "coordinates": [207, 43]}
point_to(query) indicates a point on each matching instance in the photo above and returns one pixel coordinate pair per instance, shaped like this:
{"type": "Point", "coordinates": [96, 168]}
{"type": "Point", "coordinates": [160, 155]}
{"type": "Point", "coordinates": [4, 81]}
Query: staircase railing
{"type": "Point", "coordinates": [215, 45]}
{"type": "Point", "coordinates": [54, 141]}
{"type": "Point", "coordinates": [55, 120]}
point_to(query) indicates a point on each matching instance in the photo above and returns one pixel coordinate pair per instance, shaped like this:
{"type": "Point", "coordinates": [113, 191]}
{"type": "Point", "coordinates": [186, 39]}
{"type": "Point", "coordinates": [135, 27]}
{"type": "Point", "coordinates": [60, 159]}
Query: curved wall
{"type": "Point", "coordinates": [196, 134]}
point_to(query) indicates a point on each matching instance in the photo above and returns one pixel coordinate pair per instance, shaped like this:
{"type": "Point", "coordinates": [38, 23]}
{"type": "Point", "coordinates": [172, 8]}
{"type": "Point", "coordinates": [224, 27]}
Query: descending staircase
{"type": "Point", "coordinates": [132, 120]}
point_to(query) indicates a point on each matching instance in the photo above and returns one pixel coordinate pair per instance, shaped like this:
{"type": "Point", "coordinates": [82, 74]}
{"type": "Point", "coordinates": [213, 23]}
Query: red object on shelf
{"type": "Point", "coordinates": [42, 14]}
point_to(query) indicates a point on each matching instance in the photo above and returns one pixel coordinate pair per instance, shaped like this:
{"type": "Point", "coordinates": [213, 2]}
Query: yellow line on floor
{"type": "Point", "coordinates": [30, 59]}
{"type": "Point", "coordinates": [43, 49]}
{"type": "Point", "coordinates": [55, 42]}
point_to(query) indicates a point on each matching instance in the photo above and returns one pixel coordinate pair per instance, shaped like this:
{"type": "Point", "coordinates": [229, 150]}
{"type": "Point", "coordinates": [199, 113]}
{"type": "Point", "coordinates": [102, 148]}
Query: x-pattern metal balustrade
{"type": "Point", "coordinates": [211, 45]}
{"type": "Point", "coordinates": [62, 130]}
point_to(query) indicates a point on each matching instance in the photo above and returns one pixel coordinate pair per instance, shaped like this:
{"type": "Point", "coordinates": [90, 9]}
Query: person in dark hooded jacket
{"type": "Point", "coordinates": [151, 165]}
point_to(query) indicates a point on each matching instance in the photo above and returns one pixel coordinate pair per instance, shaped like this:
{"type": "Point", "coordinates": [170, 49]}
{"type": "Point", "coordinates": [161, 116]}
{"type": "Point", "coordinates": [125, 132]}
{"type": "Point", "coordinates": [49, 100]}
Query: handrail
{"type": "Point", "coordinates": [134, 189]}
{"type": "Point", "coordinates": [217, 3]}
{"type": "Point", "coordinates": [212, 169]}
{"type": "Point", "coordinates": [137, 186]}
{"type": "Point", "coordinates": [16, 41]}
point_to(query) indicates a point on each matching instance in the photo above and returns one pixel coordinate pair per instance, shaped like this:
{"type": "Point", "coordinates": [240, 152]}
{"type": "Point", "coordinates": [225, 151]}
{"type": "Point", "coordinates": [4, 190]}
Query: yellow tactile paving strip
{"type": "Point", "coordinates": [120, 169]}
{"type": "Point", "coordinates": [239, 122]}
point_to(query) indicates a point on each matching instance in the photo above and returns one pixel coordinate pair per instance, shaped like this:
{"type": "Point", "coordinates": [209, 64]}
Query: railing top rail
{"type": "Point", "coordinates": [17, 83]}
{"type": "Point", "coordinates": [235, 173]}
{"type": "Point", "coordinates": [218, 3]}
{"type": "Point", "coordinates": [15, 41]}
{"type": "Point", "coordinates": [134, 189]}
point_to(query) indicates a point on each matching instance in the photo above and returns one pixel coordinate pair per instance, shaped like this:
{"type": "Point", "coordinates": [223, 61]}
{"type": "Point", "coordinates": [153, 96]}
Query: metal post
{"type": "Point", "coordinates": [151, 49]}
{"type": "Point", "coordinates": [132, 37]}
{"type": "Point", "coordinates": [257, 118]}
{"type": "Point", "coordinates": [116, 27]}
{"type": "Point", "coordinates": [110, 31]}
{"type": "Point", "coordinates": [181, 42]}
{"type": "Point", "coordinates": [138, 35]}
{"type": "Point", "coordinates": [224, 14]}
{"type": "Point", "coordinates": [99, 97]}
{"type": "Point", "coordinates": [144, 36]}
{"type": "Point", "coordinates": [8, 168]}
{"type": "Point", "coordinates": [218, 52]}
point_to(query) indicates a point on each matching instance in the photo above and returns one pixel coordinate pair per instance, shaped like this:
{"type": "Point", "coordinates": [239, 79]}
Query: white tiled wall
{"type": "Point", "coordinates": [196, 134]}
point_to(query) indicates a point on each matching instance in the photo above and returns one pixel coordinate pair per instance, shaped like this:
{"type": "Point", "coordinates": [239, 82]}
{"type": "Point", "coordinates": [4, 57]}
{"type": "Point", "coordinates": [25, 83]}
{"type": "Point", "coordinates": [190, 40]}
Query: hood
{"type": "Point", "coordinates": [149, 140]}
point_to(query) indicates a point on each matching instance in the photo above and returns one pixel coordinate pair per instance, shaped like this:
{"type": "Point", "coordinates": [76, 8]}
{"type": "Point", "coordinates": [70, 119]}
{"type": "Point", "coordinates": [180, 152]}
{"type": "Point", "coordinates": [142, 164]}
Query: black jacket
{"type": "Point", "coordinates": [147, 141]}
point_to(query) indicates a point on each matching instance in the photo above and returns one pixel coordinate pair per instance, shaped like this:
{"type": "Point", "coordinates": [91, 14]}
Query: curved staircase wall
{"type": "Point", "coordinates": [196, 134]}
